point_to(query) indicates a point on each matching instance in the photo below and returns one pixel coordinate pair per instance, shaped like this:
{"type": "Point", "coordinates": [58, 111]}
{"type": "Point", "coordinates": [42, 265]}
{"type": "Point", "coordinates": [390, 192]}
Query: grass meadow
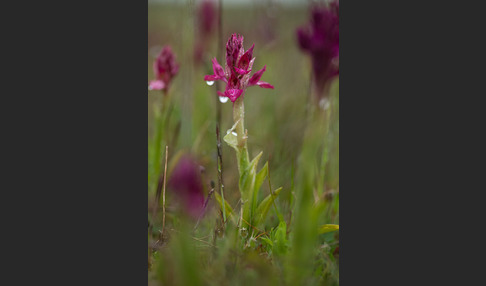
{"type": "Point", "coordinates": [296, 241]}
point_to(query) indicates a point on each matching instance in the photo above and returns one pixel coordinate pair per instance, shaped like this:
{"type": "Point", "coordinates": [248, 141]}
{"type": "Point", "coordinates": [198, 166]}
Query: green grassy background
{"type": "Point", "coordinates": [276, 123]}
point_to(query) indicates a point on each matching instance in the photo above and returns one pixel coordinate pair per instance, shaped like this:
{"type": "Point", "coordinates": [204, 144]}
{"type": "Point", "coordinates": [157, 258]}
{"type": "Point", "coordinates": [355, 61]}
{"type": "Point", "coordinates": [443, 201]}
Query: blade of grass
{"type": "Point", "coordinates": [279, 215]}
{"type": "Point", "coordinates": [328, 228]}
{"type": "Point", "coordinates": [226, 206]}
{"type": "Point", "coordinates": [264, 206]}
{"type": "Point", "coordinates": [163, 195]}
{"type": "Point", "coordinates": [218, 113]}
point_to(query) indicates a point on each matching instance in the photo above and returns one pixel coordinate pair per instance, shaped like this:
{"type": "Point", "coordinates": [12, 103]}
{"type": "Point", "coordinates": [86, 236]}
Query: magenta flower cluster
{"type": "Point", "coordinates": [206, 16]}
{"type": "Point", "coordinates": [321, 40]}
{"type": "Point", "coordinates": [186, 183]}
{"type": "Point", "coordinates": [236, 73]}
{"type": "Point", "coordinates": [206, 23]}
{"type": "Point", "coordinates": [165, 68]}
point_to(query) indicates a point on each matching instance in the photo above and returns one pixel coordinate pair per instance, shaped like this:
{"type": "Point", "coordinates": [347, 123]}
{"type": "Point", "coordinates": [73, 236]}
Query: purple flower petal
{"type": "Point", "coordinates": [264, 84]}
{"type": "Point", "coordinates": [217, 68]}
{"type": "Point", "coordinates": [244, 61]}
{"type": "Point", "coordinates": [242, 71]}
{"type": "Point", "coordinates": [256, 76]}
{"type": "Point", "coordinates": [211, 77]}
{"type": "Point", "coordinates": [303, 39]}
{"type": "Point", "coordinates": [218, 72]}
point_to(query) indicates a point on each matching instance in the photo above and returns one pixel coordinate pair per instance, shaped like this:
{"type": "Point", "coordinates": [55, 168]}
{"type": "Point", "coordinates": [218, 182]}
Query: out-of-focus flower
{"type": "Point", "coordinates": [206, 22]}
{"type": "Point", "coordinates": [206, 15]}
{"type": "Point", "coordinates": [186, 183]}
{"type": "Point", "coordinates": [237, 70]}
{"type": "Point", "coordinates": [321, 40]}
{"type": "Point", "coordinates": [165, 68]}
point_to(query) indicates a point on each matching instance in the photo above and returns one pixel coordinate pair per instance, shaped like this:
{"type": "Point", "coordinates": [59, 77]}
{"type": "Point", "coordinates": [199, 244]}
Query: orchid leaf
{"type": "Point", "coordinates": [264, 207]}
{"type": "Point", "coordinates": [247, 183]}
{"type": "Point", "coordinates": [281, 242]}
{"type": "Point", "coordinates": [260, 177]}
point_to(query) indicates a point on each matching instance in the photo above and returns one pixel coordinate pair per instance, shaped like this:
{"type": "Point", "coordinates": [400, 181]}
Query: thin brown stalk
{"type": "Point", "coordinates": [220, 170]}
{"type": "Point", "coordinates": [203, 212]}
{"type": "Point", "coordinates": [218, 112]}
{"type": "Point", "coordinates": [260, 235]}
{"type": "Point", "coordinates": [200, 240]}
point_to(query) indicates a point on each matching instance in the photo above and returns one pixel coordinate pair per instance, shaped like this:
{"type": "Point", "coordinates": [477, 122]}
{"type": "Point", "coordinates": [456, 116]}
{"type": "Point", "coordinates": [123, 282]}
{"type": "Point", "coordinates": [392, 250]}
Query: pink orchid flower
{"type": "Point", "coordinates": [320, 39]}
{"type": "Point", "coordinates": [165, 68]}
{"type": "Point", "coordinates": [236, 73]}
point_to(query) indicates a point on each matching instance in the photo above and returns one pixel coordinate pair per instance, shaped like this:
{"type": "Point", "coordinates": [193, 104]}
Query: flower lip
{"type": "Point", "coordinates": [232, 94]}
{"type": "Point", "coordinates": [156, 85]}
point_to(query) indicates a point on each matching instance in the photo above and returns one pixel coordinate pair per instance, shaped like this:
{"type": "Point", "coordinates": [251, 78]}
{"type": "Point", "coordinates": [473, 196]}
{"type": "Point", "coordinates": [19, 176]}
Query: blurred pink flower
{"type": "Point", "coordinates": [237, 70]}
{"type": "Point", "coordinates": [206, 23]}
{"type": "Point", "coordinates": [186, 183]}
{"type": "Point", "coordinates": [206, 16]}
{"type": "Point", "coordinates": [321, 40]}
{"type": "Point", "coordinates": [165, 68]}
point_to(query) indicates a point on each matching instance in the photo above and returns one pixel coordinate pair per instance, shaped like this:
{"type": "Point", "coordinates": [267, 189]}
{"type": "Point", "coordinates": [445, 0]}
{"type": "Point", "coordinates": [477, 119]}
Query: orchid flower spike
{"type": "Point", "coordinates": [236, 73]}
{"type": "Point", "coordinates": [206, 23]}
{"type": "Point", "coordinates": [206, 16]}
{"type": "Point", "coordinates": [320, 39]}
{"type": "Point", "coordinates": [165, 68]}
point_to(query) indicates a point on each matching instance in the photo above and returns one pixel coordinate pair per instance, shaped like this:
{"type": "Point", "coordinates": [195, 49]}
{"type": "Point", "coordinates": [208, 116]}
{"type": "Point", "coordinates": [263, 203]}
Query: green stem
{"type": "Point", "coordinates": [160, 135]}
{"type": "Point", "coordinates": [242, 148]}
{"type": "Point", "coordinates": [242, 153]}
{"type": "Point", "coordinates": [326, 119]}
